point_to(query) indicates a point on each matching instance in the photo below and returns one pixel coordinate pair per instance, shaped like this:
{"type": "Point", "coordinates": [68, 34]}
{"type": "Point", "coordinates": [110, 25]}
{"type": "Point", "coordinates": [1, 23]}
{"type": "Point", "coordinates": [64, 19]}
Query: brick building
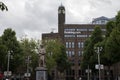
{"type": "Point", "coordinates": [73, 36]}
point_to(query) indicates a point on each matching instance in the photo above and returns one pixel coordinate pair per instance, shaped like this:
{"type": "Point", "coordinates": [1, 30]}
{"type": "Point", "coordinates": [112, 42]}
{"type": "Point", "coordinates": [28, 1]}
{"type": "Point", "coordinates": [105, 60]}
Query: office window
{"type": "Point", "coordinates": [66, 44]}
{"type": "Point", "coordinates": [78, 44]}
{"type": "Point", "coordinates": [67, 31]}
{"type": "Point", "coordinates": [91, 29]}
{"type": "Point", "coordinates": [81, 35]}
{"type": "Point", "coordinates": [79, 53]}
{"type": "Point", "coordinates": [73, 53]}
{"type": "Point", "coordinates": [73, 44]}
{"type": "Point", "coordinates": [81, 29]}
{"type": "Point", "coordinates": [82, 44]}
{"type": "Point", "coordinates": [69, 36]}
{"type": "Point", "coordinates": [69, 44]}
{"type": "Point", "coordinates": [69, 54]}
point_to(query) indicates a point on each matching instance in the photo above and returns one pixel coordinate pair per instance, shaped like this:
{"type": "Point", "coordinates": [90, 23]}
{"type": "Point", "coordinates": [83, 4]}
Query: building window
{"type": "Point", "coordinates": [82, 44]}
{"type": "Point", "coordinates": [66, 44]}
{"type": "Point", "coordinates": [91, 29]}
{"type": "Point", "coordinates": [70, 53]}
{"type": "Point", "coordinates": [68, 31]}
{"type": "Point", "coordinates": [81, 29]}
{"type": "Point", "coordinates": [73, 53]}
{"type": "Point", "coordinates": [78, 44]}
{"type": "Point", "coordinates": [73, 44]}
{"type": "Point", "coordinates": [79, 53]}
{"type": "Point", "coordinates": [81, 35]}
{"type": "Point", "coordinates": [67, 36]}
{"type": "Point", "coordinates": [69, 44]}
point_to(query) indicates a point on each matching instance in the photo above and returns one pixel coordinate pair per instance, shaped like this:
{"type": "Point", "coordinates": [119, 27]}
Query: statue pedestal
{"type": "Point", "coordinates": [41, 73]}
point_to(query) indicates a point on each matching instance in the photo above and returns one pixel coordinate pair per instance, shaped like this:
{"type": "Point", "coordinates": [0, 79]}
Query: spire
{"type": "Point", "coordinates": [61, 6]}
{"type": "Point", "coordinates": [61, 3]}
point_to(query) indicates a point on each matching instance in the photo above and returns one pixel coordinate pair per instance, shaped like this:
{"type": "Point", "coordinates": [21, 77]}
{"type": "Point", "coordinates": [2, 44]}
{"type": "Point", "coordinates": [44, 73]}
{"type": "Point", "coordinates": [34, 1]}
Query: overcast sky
{"type": "Point", "coordinates": [34, 17]}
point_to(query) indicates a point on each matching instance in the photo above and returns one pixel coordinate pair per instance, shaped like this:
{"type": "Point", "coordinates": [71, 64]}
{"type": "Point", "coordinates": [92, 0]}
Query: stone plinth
{"type": "Point", "coordinates": [41, 73]}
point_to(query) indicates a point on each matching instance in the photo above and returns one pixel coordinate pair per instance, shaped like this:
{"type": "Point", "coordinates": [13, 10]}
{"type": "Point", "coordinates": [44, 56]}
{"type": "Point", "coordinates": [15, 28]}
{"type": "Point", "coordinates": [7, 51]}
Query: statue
{"type": "Point", "coordinates": [41, 70]}
{"type": "Point", "coordinates": [42, 56]}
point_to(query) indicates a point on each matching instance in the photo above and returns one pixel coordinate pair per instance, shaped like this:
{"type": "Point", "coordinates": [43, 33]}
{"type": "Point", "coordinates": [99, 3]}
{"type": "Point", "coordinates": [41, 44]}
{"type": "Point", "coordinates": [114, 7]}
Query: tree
{"type": "Point", "coordinates": [112, 45]}
{"type": "Point", "coordinates": [89, 55]}
{"type": "Point", "coordinates": [3, 7]}
{"type": "Point", "coordinates": [109, 27]}
{"type": "Point", "coordinates": [3, 53]}
{"type": "Point", "coordinates": [11, 44]}
{"type": "Point", "coordinates": [29, 50]}
{"type": "Point", "coordinates": [56, 56]}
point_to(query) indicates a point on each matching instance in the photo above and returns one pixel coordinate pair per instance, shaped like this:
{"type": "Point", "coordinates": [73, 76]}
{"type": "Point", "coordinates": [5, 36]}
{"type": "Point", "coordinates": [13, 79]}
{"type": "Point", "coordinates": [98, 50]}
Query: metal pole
{"type": "Point", "coordinates": [98, 48]}
{"type": "Point", "coordinates": [88, 73]}
{"type": "Point", "coordinates": [27, 64]}
{"type": "Point", "coordinates": [8, 62]}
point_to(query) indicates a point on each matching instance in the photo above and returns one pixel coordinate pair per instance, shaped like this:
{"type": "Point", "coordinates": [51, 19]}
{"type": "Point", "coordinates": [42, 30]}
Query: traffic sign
{"type": "Point", "coordinates": [99, 66]}
{"type": "Point", "coordinates": [7, 73]}
{"type": "Point", "coordinates": [27, 75]}
{"type": "Point", "coordinates": [88, 71]}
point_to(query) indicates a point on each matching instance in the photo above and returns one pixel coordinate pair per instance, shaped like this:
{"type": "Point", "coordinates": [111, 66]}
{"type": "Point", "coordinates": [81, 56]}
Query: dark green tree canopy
{"type": "Point", "coordinates": [11, 44]}
{"type": "Point", "coordinates": [112, 45]}
{"type": "Point", "coordinates": [89, 55]}
{"type": "Point", "coordinates": [56, 55]}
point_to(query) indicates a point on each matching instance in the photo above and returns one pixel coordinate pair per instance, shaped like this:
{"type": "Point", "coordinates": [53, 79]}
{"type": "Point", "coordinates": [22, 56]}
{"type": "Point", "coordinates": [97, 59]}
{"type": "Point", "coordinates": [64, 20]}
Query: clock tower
{"type": "Point", "coordinates": [61, 18]}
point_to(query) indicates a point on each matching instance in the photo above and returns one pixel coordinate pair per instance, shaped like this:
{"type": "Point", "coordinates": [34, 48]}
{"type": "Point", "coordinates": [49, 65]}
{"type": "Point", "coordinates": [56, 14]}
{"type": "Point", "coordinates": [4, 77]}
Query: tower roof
{"type": "Point", "coordinates": [61, 7]}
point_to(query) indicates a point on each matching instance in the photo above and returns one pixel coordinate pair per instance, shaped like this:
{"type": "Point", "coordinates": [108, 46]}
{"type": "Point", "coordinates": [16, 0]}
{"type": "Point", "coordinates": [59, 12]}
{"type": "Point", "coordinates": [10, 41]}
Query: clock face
{"type": "Point", "coordinates": [63, 11]}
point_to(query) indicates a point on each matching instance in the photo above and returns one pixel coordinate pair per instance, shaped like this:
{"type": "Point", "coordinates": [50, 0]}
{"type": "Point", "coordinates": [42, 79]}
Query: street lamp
{"type": "Point", "coordinates": [8, 61]}
{"type": "Point", "coordinates": [8, 73]}
{"type": "Point", "coordinates": [97, 50]}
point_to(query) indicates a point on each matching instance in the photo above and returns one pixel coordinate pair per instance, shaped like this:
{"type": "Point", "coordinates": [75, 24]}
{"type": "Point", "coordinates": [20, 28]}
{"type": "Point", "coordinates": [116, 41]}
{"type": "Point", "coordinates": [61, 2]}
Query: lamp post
{"type": "Point", "coordinates": [27, 74]}
{"type": "Point", "coordinates": [8, 64]}
{"type": "Point", "coordinates": [97, 50]}
{"type": "Point", "coordinates": [8, 61]}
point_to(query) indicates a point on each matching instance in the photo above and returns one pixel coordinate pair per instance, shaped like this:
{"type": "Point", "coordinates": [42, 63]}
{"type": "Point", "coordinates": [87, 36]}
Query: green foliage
{"type": "Point", "coordinates": [109, 27]}
{"type": "Point", "coordinates": [3, 53]}
{"type": "Point", "coordinates": [10, 43]}
{"type": "Point", "coordinates": [112, 44]}
{"type": "Point", "coordinates": [118, 19]}
{"type": "Point", "coordinates": [56, 56]}
{"type": "Point", "coordinates": [89, 55]}
{"type": "Point", "coordinates": [3, 7]}
{"type": "Point", "coordinates": [29, 49]}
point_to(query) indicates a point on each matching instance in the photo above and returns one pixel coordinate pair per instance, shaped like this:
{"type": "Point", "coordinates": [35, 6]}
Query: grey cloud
{"type": "Point", "coordinates": [33, 17]}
